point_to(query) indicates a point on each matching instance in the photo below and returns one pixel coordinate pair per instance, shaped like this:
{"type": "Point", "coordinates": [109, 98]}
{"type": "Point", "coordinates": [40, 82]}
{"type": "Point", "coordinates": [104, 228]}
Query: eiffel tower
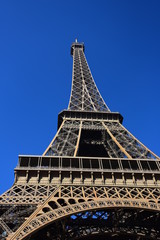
{"type": "Point", "coordinates": [94, 181]}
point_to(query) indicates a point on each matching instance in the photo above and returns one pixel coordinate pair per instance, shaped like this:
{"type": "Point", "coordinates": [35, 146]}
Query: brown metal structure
{"type": "Point", "coordinates": [94, 181]}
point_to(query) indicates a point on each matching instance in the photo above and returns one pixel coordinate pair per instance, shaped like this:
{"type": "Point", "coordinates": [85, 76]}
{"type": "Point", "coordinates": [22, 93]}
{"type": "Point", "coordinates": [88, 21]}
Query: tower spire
{"type": "Point", "coordinates": [84, 93]}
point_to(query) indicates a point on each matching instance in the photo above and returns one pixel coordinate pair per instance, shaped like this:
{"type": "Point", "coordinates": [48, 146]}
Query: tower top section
{"type": "Point", "coordinates": [84, 93]}
{"type": "Point", "coordinates": [76, 45]}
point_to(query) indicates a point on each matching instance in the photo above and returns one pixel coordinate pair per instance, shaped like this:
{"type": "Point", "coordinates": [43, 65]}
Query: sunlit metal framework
{"type": "Point", "coordinates": [95, 180]}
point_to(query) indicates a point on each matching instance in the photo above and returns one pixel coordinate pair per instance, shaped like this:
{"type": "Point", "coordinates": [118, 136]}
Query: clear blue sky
{"type": "Point", "coordinates": [122, 46]}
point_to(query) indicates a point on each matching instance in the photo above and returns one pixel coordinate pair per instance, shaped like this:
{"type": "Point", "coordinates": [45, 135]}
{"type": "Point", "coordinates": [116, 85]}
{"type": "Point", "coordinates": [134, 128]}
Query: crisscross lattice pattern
{"type": "Point", "coordinates": [84, 93]}
{"type": "Point", "coordinates": [117, 141]}
{"type": "Point", "coordinates": [65, 201]}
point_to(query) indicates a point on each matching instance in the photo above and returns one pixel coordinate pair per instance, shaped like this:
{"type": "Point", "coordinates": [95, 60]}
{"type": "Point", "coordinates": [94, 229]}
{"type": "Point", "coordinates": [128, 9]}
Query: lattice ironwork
{"type": "Point", "coordinates": [95, 179]}
{"type": "Point", "coordinates": [113, 137]}
{"type": "Point", "coordinates": [84, 94]}
{"type": "Point", "coordinates": [66, 201]}
{"type": "Point", "coordinates": [102, 224]}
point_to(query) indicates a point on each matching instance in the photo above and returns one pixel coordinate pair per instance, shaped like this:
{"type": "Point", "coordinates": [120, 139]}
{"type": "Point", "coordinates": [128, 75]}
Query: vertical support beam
{"type": "Point", "coordinates": [5, 227]}
{"type": "Point", "coordinates": [53, 138]}
{"type": "Point", "coordinates": [78, 139]}
{"type": "Point", "coordinates": [140, 142]}
{"type": "Point", "coordinates": [115, 140]}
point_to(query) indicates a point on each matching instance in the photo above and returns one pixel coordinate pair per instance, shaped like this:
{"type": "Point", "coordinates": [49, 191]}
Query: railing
{"type": "Point", "coordinates": [88, 164]}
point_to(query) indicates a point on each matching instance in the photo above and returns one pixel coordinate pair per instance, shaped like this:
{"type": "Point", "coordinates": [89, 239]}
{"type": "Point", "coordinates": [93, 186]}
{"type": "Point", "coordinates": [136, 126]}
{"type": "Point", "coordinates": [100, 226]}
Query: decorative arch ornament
{"type": "Point", "coordinates": [61, 205]}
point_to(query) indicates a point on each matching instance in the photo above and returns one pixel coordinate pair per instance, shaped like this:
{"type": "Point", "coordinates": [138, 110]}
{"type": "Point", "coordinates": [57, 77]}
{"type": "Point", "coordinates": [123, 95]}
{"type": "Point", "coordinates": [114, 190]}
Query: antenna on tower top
{"type": "Point", "coordinates": [76, 40]}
